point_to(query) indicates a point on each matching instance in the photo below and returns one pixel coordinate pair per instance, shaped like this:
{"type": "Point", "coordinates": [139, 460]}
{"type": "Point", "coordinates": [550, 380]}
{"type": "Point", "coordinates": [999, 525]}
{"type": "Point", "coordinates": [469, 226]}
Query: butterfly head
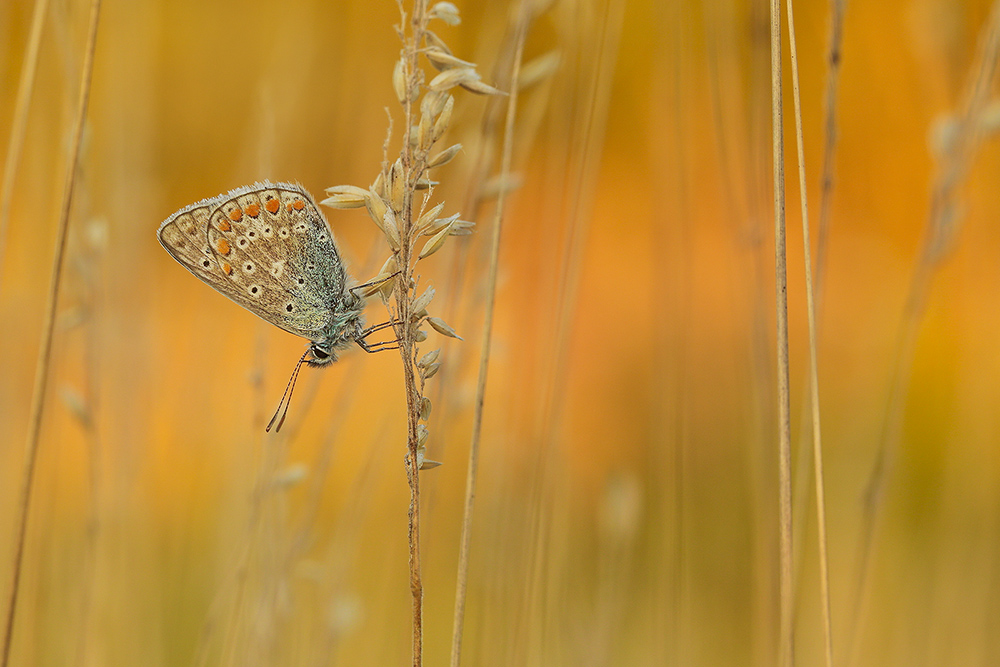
{"type": "Point", "coordinates": [345, 328]}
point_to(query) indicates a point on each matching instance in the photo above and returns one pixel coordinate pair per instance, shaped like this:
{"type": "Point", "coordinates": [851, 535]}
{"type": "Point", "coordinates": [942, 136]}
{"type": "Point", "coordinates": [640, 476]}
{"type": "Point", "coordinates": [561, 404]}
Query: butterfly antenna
{"type": "Point", "coordinates": [289, 388]}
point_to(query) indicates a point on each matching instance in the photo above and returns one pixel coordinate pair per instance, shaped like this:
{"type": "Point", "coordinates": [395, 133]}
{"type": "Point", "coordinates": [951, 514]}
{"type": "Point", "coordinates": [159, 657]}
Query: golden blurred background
{"type": "Point", "coordinates": [627, 508]}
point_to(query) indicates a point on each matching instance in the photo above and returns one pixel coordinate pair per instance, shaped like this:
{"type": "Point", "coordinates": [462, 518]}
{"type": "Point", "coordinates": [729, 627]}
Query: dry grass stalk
{"type": "Point", "coordinates": [484, 358]}
{"type": "Point", "coordinates": [806, 461]}
{"type": "Point", "coordinates": [399, 204]}
{"type": "Point", "coordinates": [824, 568]}
{"type": "Point", "coordinates": [45, 349]}
{"type": "Point", "coordinates": [786, 596]}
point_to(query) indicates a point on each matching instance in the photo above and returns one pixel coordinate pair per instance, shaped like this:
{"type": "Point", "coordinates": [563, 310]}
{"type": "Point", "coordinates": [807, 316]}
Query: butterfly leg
{"type": "Point", "coordinates": [372, 348]}
{"type": "Point", "coordinates": [377, 327]}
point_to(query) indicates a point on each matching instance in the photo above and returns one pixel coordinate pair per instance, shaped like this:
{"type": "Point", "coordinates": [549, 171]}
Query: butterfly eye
{"type": "Point", "coordinates": [319, 353]}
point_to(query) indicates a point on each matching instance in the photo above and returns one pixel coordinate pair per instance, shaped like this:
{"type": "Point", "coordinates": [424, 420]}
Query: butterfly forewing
{"type": "Point", "coordinates": [268, 248]}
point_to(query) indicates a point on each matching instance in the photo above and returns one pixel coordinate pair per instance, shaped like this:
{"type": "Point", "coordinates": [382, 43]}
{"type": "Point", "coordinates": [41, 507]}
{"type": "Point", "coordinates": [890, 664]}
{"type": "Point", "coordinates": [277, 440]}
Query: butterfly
{"type": "Point", "coordinates": [268, 247]}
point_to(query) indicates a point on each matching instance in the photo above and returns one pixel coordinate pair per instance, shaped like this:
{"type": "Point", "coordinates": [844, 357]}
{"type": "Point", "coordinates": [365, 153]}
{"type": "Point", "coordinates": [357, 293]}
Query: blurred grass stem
{"type": "Point", "coordinates": [484, 358]}
{"type": "Point", "coordinates": [19, 122]}
{"type": "Point", "coordinates": [48, 328]}
{"type": "Point", "coordinates": [941, 230]}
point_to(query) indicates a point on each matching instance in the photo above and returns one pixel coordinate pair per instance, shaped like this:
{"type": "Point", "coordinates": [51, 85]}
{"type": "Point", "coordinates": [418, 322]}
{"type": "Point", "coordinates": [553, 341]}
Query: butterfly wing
{"type": "Point", "coordinates": [268, 248]}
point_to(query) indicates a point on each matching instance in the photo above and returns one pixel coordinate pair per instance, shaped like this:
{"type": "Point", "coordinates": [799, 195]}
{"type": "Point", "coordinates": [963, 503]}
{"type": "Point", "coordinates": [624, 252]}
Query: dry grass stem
{"type": "Point", "coordinates": [786, 597]}
{"type": "Point", "coordinates": [398, 202]}
{"type": "Point", "coordinates": [461, 587]}
{"type": "Point", "coordinates": [48, 328]}
{"type": "Point", "coordinates": [824, 567]}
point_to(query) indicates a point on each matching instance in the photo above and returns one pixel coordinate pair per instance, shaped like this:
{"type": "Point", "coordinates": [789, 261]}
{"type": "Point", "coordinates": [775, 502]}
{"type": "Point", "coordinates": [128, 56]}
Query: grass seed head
{"type": "Point", "coordinates": [444, 157]}
{"type": "Point", "coordinates": [399, 80]}
{"type": "Point", "coordinates": [444, 118]}
{"type": "Point", "coordinates": [442, 327]}
{"type": "Point", "coordinates": [376, 209]}
{"type": "Point", "coordinates": [397, 186]}
{"type": "Point", "coordinates": [462, 228]}
{"type": "Point", "coordinates": [391, 229]}
{"type": "Point", "coordinates": [428, 217]}
{"type": "Point", "coordinates": [480, 88]}
{"type": "Point", "coordinates": [433, 41]}
{"type": "Point", "coordinates": [435, 243]}
{"type": "Point", "coordinates": [443, 60]}
{"type": "Point", "coordinates": [429, 358]}
{"type": "Point", "coordinates": [424, 300]}
{"type": "Point", "coordinates": [458, 76]}
{"type": "Point", "coordinates": [344, 201]}
{"type": "Point", "coordinates": [437, 225]}
{"type": "Point", "coordinates": [432, 104]}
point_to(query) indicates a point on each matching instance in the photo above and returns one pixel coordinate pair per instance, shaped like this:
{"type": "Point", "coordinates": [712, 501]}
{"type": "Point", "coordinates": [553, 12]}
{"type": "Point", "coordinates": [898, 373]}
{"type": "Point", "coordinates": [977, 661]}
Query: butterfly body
{"type": "Point", "coordinates": [268, 247]}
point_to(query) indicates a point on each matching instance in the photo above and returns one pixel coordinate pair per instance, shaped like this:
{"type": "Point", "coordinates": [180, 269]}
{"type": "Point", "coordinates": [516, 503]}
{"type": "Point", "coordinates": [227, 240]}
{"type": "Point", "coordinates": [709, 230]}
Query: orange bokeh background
{"type": "Point", "coordinates": [627, 508]}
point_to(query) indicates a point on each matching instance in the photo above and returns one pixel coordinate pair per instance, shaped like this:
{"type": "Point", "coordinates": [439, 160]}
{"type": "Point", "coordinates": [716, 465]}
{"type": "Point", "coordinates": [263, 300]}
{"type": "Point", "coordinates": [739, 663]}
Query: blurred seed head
{"type": "Point", "coordinates": [621, 507]}
{"type": "Point", "coordinates": [445, 11]}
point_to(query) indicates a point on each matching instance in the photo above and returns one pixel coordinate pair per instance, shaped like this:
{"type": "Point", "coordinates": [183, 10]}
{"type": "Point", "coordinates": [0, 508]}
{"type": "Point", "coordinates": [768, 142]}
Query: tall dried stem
{"type": "Point", "coordinates": [412, 168]}
{"type": "Point", "coordinates": [786, 634]}
{"type": "Point", "coordinates": [484, 358]}
{"type": "Point", "coordinates": [48, 328]}
{"type": "Point", "coordinates": [398, 202]}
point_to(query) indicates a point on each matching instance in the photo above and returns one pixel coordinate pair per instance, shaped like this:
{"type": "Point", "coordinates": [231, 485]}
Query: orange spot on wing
{"type": "Point", "coordinates": [224, 226]}
{"type": "Point", "coordinates": [236, 214]}
{"type": "Point", "coordinates": [298, 204]}
{"type": "Point", "coordinates": [226, 268]}
{"type": "Point", "coordinates": [222, 247]}
{"type": "Point", "coordinates": [253, 210]}
{"type": "Point", "coordinates": [272, 205]}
